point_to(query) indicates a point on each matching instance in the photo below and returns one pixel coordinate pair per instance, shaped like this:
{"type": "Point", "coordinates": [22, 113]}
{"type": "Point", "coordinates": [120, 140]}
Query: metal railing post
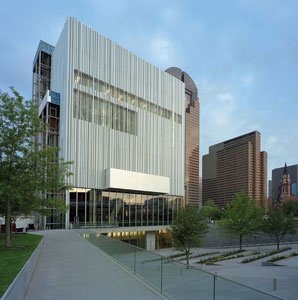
{"type": "Point", "coordinates": [274, 284]}
{"type": "Point", "coordinates": [214, 280]}
{"type": "Point", "coordinates": [161, 274]}
{"type": "Point", "coordinates": [134, 261]}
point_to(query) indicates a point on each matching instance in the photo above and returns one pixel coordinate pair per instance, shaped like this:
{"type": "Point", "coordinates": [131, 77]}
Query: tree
{"type": "Point", "coordinates": [241, 216]}
{"type": "Point", "coordinates": [187, 230]}
{"type": "Point", "coordinates": [211, 211]}
{"type": "Point", "coordinates": [277, 224]}
{"type": "Point", "coordinates": [290, 208]}
{"type": "Point", "coordinates": [30, 173]}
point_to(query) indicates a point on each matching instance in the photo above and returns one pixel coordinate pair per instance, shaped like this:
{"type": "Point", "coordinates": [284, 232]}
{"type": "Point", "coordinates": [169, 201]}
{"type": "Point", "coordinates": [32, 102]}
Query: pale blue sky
{"type": "Point", "coordinates": [242, 55]}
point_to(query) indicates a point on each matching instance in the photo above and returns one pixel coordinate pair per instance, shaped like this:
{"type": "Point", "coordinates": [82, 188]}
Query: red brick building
{"type": "Point", "coordinates": [285, 188]}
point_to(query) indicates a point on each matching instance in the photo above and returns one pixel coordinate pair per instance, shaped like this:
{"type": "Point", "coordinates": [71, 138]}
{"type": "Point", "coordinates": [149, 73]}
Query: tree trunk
{"type": "Point", "coordinates": [277, 244]}
{"type": "Point", "coordinates": [240, 241]}
{"type": "Point", "coordinates": [8, 224]}
{"type": "Point", "coordinates": [187, 259]}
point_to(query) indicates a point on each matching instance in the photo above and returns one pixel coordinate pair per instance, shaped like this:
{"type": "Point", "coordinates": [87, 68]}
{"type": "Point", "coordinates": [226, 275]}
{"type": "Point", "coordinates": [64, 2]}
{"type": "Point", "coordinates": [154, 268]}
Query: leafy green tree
{"type": "Point", "coordinates": [30, 174]}
{"type": "Point", "coordinates": [211, 211]}
{"type": "Point", "coordinates": [290, 208]}
{"type": "Point", "coordinates": [187, 230]}
{"type": "Point", "coordinates": [242, 216]}
{"type": "Point", "coordinates": [277, 224]}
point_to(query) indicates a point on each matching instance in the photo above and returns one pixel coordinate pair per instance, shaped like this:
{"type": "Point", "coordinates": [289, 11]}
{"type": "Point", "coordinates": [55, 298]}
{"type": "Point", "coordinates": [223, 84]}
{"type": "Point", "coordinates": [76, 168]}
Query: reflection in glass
{"type": "Point", "coordinates": [118, 209]}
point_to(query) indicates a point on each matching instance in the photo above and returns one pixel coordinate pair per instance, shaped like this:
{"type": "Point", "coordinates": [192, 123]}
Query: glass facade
{"type": "Point", "coordinates": [170, 277]}
{"type": "Point", "coordinates": [96, 208]}
{"type": "Point", "coordinates": [41, 75]}
{"type": "Point", "coordinates": [192, 150]}
{"type": "Point", "coordinates": [192, 137]}
{"type": "Point", "coordinates": [87, 82]}
{"type": "Point", "coordinates": [294, 189]}
{"type": "Point", "coordinates": [101, 112]}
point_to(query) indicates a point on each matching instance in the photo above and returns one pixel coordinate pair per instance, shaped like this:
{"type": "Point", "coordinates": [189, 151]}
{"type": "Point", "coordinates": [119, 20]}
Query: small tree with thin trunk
{"type": "Point", "coordinates": [187, 230]}
{"type": "Point", "coordinates": [290, 208]}
{"type": "Point", "coordinates": [277, 224]}
{"type": "Point", "coordinates": [241, 216]}
{"type": "Point", "coordinates": [211, 211]}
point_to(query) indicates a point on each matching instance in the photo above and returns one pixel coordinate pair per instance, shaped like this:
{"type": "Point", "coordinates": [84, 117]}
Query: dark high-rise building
{"type": "Point", "coordinates": [192, 136]}
{"type": "Point", "coordinates": [235, 165]}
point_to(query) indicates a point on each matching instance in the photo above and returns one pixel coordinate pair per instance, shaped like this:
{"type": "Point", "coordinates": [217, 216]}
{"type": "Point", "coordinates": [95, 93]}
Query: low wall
{"type": "Point", "coordinates": [18, 288]}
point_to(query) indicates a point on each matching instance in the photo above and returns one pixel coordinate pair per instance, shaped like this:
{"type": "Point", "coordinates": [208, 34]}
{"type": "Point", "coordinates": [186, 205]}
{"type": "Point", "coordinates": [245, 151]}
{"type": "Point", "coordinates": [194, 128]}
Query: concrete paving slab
{"type": "Point", "coordinates": [253, 274]}
{"type": "Point", "coordinates": [71, 268]}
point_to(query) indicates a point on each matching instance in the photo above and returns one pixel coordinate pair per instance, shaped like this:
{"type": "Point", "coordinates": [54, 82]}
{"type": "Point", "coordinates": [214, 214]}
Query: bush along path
{"type": "Point", "coordinates": [260, 256]}
{"type": "Point", "coordinates": [281, 257]}
{"type": "Point", "coordinates": [223, 256]}
{"type": "Point", "coordinates": [250, 256]}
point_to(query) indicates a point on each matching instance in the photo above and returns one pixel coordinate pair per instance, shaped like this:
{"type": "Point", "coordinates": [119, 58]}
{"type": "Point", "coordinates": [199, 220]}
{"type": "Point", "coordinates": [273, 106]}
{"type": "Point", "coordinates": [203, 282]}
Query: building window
{"type": "Point", "coordinates": [104, 113]}
{"type": "Point", "coordinates": [86, 80]}
{"type": "Point", "coordinates": [53, 112]}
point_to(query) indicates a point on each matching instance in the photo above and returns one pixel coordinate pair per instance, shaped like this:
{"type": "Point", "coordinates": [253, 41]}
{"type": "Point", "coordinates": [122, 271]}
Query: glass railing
{"type": "Point", "coordinates": [169, 277]}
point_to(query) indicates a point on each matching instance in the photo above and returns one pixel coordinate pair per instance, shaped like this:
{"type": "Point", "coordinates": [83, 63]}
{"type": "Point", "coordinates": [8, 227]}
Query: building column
{"type": "Point", "coordinates": [150, 240]}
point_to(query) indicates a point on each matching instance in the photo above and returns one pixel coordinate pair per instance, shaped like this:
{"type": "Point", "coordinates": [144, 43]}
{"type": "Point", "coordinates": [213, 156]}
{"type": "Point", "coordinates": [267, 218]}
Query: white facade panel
{"type": "Point", "coordinates": [133, 181]}
{"type": "Point", "coordinates": [157, 146]}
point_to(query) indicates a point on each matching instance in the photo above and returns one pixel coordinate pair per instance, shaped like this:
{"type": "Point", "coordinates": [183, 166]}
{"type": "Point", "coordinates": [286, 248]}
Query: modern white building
{"type": "Point", "coordinates": [121, 121]}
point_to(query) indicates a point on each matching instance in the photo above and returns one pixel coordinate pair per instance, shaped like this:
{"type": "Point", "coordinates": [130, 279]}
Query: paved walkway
{"type": "Point", "coordinates": [253, 274]}
{"type": "Point", "coordinates": [71, 268]}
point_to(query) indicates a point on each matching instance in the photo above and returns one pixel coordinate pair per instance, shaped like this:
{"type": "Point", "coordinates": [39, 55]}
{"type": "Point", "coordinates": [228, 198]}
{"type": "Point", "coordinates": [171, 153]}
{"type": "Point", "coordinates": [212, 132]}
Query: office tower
{"type": "Point", "coordinates": [121, 121]}
{"type": "Point", "coordinates": [235, 165]}
{"type": "Point", "coordinates": [192, 137]}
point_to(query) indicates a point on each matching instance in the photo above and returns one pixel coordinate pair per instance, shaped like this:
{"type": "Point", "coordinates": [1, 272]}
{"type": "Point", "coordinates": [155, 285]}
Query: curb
{"type": "Point", "coordinates": [19, 286]}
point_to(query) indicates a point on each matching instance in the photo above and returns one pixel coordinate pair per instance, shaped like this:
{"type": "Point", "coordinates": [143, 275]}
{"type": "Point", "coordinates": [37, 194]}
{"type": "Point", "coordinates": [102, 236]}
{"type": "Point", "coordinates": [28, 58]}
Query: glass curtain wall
{"type": "Point", "coordinates": [95, 208]}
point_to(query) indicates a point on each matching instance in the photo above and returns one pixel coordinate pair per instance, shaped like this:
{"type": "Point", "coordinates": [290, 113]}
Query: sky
{"type": "Point", "coordinates": [241, 54]}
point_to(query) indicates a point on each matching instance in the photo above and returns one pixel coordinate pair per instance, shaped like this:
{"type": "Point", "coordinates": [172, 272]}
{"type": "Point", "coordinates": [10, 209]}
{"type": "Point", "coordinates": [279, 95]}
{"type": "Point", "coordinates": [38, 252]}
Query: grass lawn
{"type": "Point", "coordinates": [13, 259]}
